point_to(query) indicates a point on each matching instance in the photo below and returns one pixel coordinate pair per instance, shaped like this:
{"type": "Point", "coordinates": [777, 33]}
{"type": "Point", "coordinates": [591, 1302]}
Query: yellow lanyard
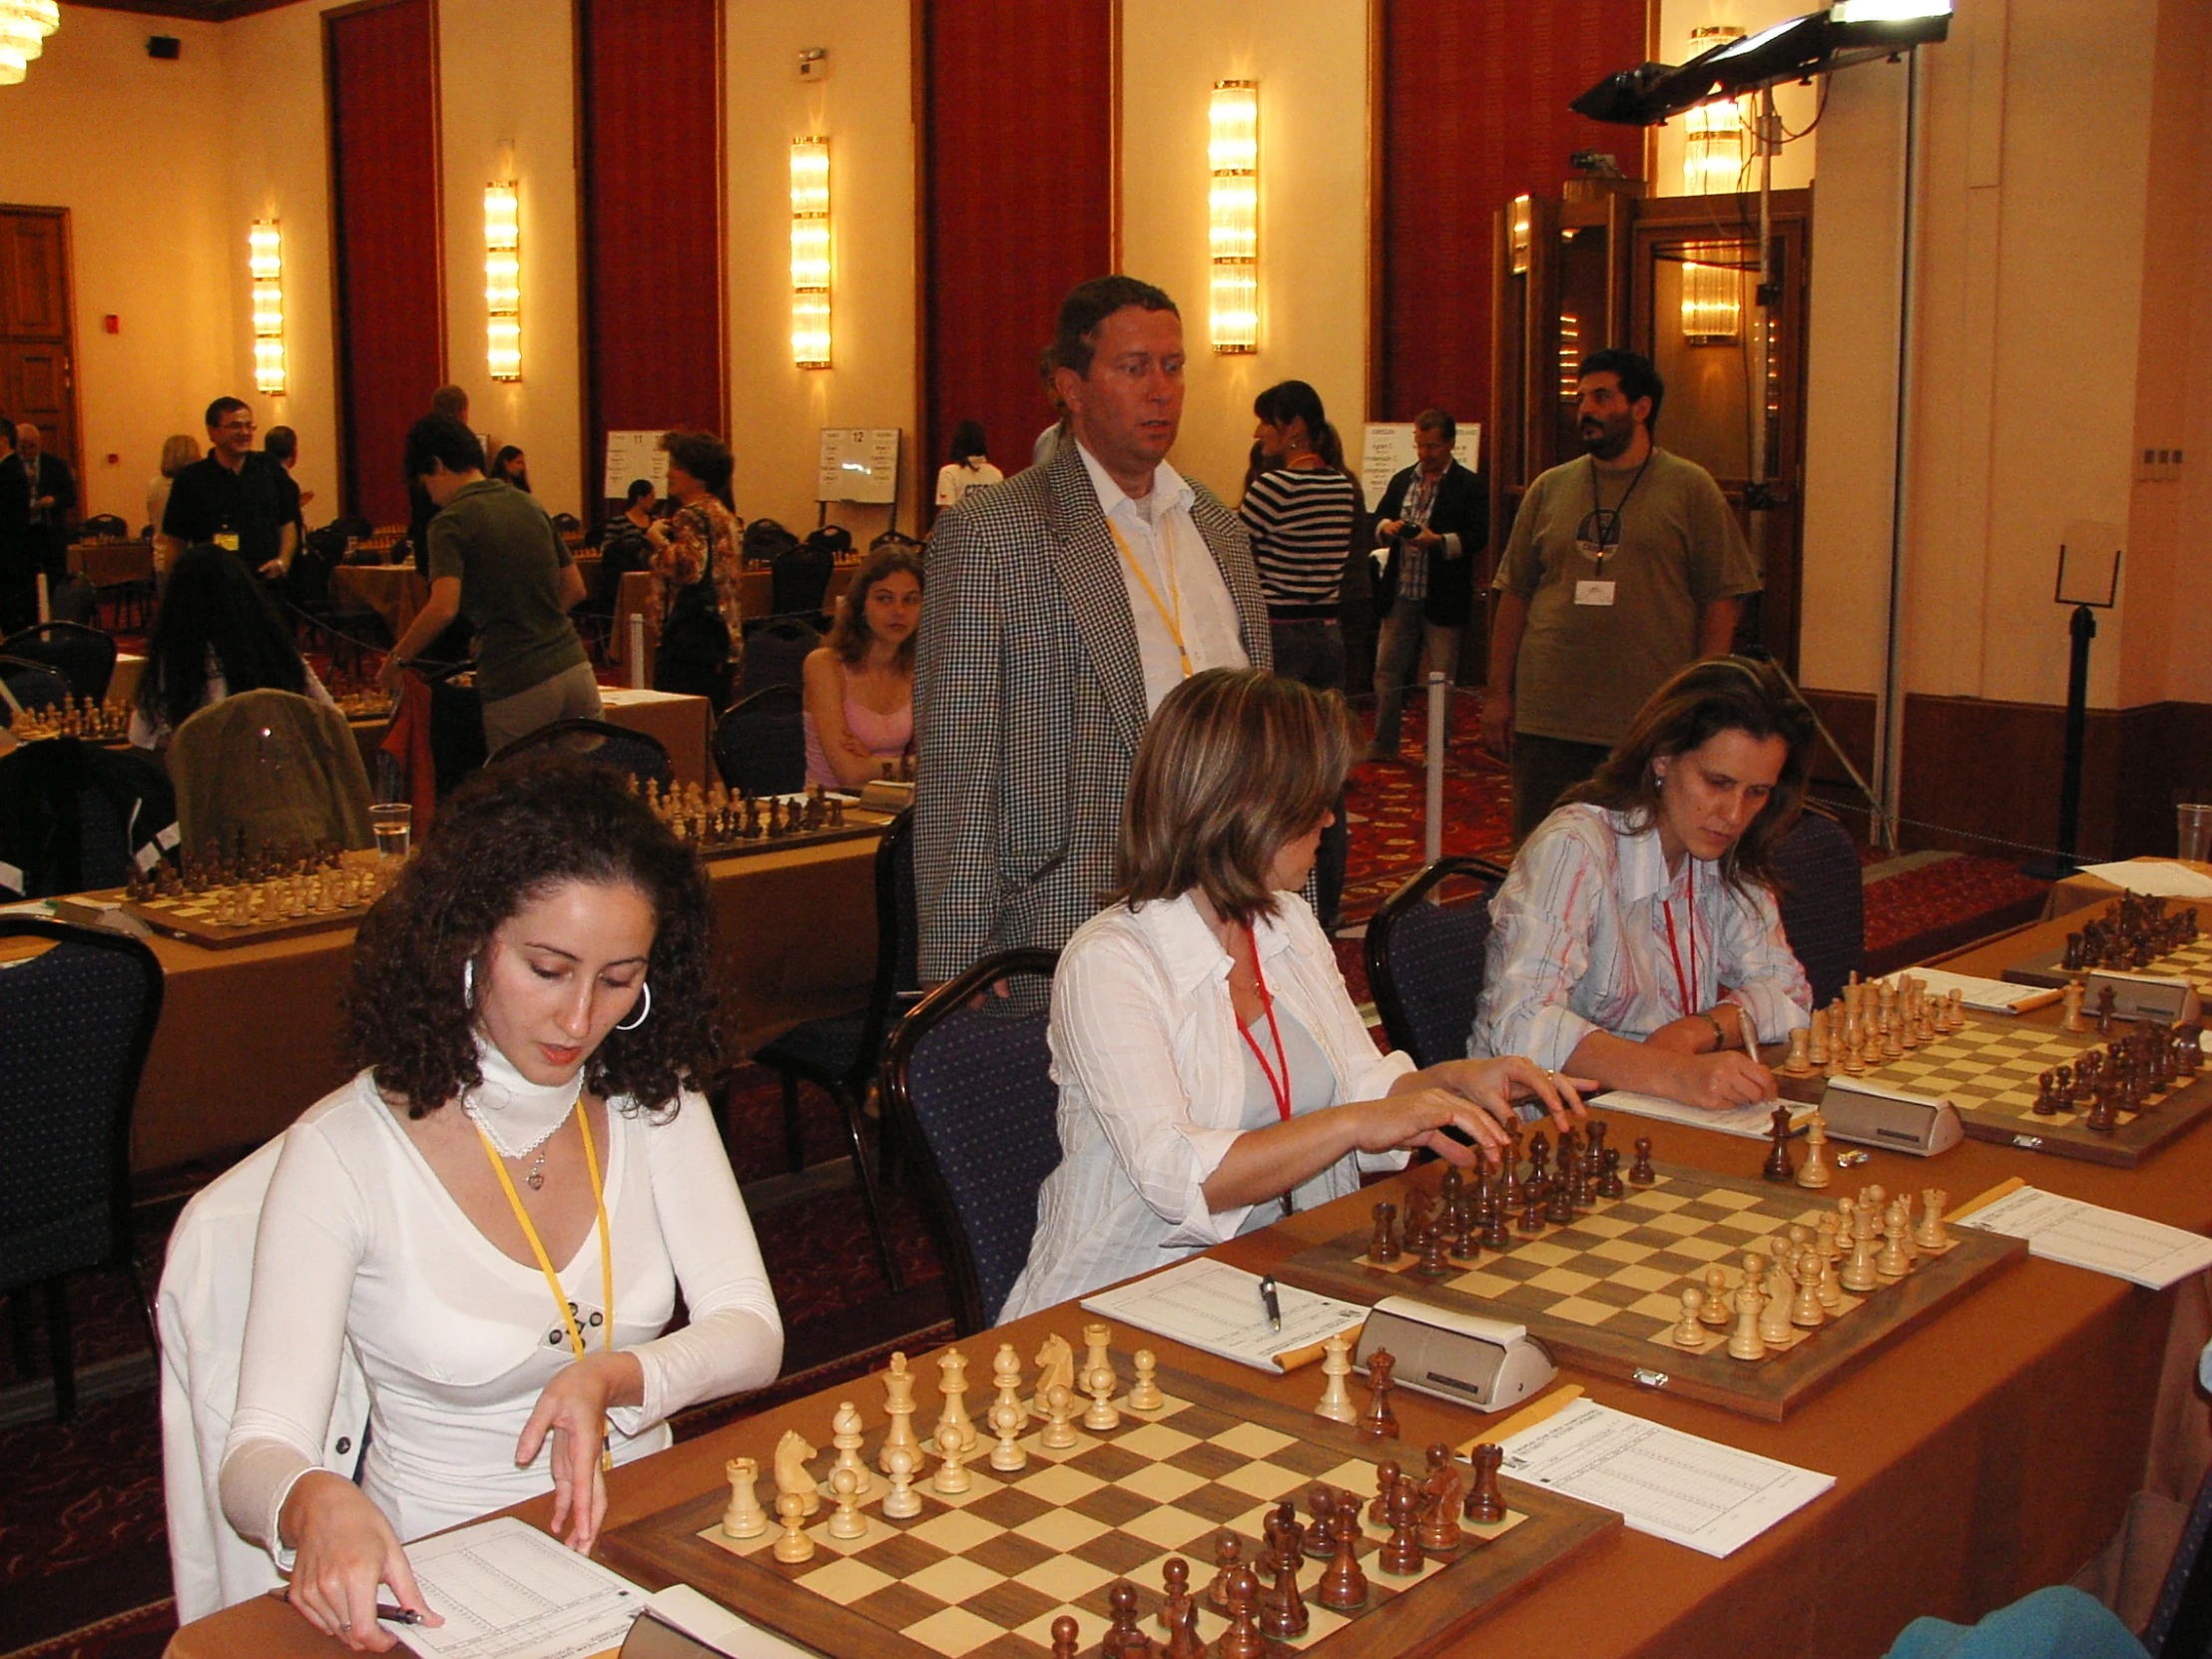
{"type": "Point", "coordinates": [545, 1264]}
{"type": "Point", "coordinates": [1173, 620]}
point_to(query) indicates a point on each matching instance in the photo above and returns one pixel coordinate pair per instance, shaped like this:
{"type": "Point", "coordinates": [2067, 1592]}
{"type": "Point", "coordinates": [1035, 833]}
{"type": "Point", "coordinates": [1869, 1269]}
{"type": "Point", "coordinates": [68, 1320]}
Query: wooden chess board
{"type": "Point", "coordinates": [1990, 1072]}
{"type": "Point", "coordinates": [861, 824]}
{"type": "Point", "coordinates": [1603, 1293]}
{"type": "Point", "coordinates": [2193, 963]}
{"type": "Point", "coordinates": [983, 1574]}
{"type": "Point", "coordinates": [191, 917]}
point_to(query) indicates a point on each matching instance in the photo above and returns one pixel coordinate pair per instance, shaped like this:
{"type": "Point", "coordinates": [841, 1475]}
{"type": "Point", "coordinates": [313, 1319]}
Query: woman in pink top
{"type": "Point", "coordinates": [860, 711]}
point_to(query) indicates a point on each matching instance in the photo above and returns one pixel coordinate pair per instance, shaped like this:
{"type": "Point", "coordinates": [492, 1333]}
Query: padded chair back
{"type": "Point", "coordinates": [79, 1018]}
{"type": "Point", "coordinates": [972, 1089]}
{"type": "Point", "coordinates": [84, 657]}
{"type": "Point", "coordinates": [567, 523]}
{"type": "Point", "coordinates": [640, 753]}
{"type": "Point", "coordinates": [1824, 902]}
{"type": "Point", "coordinates": [1424, 960]}
{"type": "Point", "coordinates": [2181, 1623]}
{"type": "Point", "coordinates": [275, 766]}
{"type": "Point", "coordinates": [33, 684]}
{"type": "Point", "coordinates": [761, 743]}
{"type": "Point", "coordinates": [800, 578]}
{"type": "Point", "coordinates": [103, 527]}
{"type": "Point", "coordinates": [775, 655]}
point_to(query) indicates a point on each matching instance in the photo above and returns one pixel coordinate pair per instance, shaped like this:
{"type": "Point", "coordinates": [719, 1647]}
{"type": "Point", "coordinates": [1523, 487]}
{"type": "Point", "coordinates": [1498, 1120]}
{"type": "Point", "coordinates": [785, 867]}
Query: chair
{"type": "Point", "coordinates": [103, 527]}
{"type": "Point", "coordinates": [2181, 1624]}
{"type": "Point", "coordinates": [84, 657]}
{"type": "Point", "coordinates": [775, 655]}
{"type": "Point", "coordinates": [33, 684]}
{"type": "Point", "coordinates": [351, 528]}
{"type": "Point", "coordinates": [840, 1055]}
{"type": "Point", "coordinates": [79, 816]}
{"type": "Point", "coordinates": [344, 630]}
{"type": "Point", "coordinates": [1824, 902]}
{"type": "Point", "coordinates": [273, 767]}
{"type": "Point", "coordinates": [972, 1090]}
{"type": "Point", "coordinates": [640, 753]}
{"type": "Point", "coordinates": [800, 578]}
{"type": "Point", "coordinates": [761, 743]}
{"type": "Point", "coordinates": [79, 1019]}
{"type": "Point", "coordinates": [1424, 960]}
{"type": "Point", "coordinates": [567, 523]}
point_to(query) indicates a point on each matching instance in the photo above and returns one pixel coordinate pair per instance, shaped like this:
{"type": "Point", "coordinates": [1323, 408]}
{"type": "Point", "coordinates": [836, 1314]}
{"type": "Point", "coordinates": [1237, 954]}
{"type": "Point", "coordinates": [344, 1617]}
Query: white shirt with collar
{"type": "Point", "coordinates": [1150, 1064]}
{"type": "Point", "coordinates": [1579, 943]}
{"type": "Point", "coordinates": [1174, 557]}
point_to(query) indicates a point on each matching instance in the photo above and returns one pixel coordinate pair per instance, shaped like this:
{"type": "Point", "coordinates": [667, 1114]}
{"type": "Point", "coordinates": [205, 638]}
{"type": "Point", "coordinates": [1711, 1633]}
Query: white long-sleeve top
{"type": "Point", "coordinates": [1151, 1068]}
{"type": "Point", "coordinates": [360, 1244]}
{"type": "Point", "coordinates": [1578, 944]}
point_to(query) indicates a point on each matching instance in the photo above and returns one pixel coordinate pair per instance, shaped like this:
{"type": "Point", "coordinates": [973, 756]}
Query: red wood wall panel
{"type": "Point", "coordinates": [381, 69]}
{"type": "Point", "coordinates": [1474, 114]}
{"type": "Point", "coordinates": [1018, 203]}
{"type": "Point", "coordinates": [649, 101]}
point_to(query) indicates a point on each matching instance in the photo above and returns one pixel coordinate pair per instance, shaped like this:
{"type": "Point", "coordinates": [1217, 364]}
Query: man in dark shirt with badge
{"type": "Point", "coordinates": [237, 498]}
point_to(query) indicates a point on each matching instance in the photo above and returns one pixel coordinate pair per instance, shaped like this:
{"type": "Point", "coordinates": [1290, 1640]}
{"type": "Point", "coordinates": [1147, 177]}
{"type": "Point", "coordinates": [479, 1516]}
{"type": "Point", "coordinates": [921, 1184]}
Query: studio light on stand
{"type": "Point", "coordinates": [2089, 581]}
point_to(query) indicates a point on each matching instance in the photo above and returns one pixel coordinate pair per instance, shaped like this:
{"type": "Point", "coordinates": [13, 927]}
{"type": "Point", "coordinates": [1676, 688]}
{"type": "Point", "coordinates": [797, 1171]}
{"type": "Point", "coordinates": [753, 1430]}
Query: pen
{"type": "Point", "coordinates": [388, 1614]}
{"type": "Point", "coordinates": [1272, 1305]}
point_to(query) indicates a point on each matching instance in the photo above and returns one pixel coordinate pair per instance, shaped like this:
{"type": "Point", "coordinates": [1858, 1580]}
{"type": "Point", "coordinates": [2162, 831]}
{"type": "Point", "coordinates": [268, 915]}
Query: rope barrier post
{"type": "Point", "coordinates": [637, 652]}
{"type": "Point", "coordinates": [1432, 832]}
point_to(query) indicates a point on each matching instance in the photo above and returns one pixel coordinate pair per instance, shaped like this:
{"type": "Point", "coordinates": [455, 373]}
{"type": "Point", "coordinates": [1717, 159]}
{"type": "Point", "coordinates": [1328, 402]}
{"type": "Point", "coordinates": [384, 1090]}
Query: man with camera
{"type": "Point", "coordinates": [1434, 518]}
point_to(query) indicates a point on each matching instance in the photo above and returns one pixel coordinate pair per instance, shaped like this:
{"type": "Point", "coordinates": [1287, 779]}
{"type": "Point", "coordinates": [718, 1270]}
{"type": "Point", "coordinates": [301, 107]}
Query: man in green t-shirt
{"type": "Point", "coordinates": [1623, 566]}
{"type": "Point", "coordinates": [496, 559]}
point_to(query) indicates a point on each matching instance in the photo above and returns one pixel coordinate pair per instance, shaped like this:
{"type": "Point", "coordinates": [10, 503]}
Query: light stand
{"type": "Point", "coordinates": [2088, 595]}
{"type": "Point", "coordinates": [1884, 830]}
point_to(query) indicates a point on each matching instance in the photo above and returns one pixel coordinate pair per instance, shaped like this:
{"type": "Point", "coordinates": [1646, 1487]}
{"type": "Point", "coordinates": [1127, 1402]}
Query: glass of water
{"type": "Point", "coordinates": [393, 822]}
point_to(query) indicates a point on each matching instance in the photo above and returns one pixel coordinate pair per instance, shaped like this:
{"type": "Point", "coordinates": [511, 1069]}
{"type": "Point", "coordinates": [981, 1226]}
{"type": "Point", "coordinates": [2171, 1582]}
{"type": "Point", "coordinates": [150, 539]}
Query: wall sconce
{"type": "Point", "coordinates": [1522, 215]}
{"type": "Point", "coordinates": [811, 253]}
{"type": "Point", "coordinates": [1712, 295]}
{"type": "Point", "coordinates": [1233, 209]}
{"type": "Point", "coordinates": [1713, 135]}
{"type": "Point", "coordinates": [24, 26]}
{"type": "Point", "coordinates": [504, 282]}
{"type": "Point", "coordinates": [265, 259]}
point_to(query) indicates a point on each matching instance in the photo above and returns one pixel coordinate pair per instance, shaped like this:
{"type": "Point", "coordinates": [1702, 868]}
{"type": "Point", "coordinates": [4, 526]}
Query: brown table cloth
{"type": "Point", "coordinates": [1987, 1453]}
{"type": "Point", "coordinates": [393, 592]}
{"type": "Point", "coordinates": [108, 564]}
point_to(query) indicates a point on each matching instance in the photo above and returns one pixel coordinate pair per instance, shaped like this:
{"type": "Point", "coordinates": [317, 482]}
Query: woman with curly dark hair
{"type": "Point", "coordinates": [497, 1212]}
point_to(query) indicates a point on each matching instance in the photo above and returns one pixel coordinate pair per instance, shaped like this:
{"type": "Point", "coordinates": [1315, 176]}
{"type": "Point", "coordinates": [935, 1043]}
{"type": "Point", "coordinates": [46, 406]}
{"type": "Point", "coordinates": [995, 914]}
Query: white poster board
{"type": "Point", "coordinates": [632, 455]}
{"type": "Point", "coordinates": [858, 463]}
{"type": "Point", "coordinates": [1389, 450]}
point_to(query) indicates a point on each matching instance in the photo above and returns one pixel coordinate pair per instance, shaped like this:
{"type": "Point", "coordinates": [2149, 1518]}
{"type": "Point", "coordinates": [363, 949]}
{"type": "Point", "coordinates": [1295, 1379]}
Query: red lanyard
{"type": "Point", "coordinates": [1278, 1087]}
{"type": "Point", "coordinates": [1684, 986]}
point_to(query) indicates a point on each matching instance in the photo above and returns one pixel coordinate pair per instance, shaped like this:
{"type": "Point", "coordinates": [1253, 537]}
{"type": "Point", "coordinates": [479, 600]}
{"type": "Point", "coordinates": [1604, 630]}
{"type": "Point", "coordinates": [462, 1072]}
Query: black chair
{"type": "Point", "coordinates": [640, 753]}
{"type": "Point", "coordinates": [970, 1088]}
{"type": "Point", "coordinates": [1424, 960]}
{"type": "Point", "coordinates": [84, 657]}
{"type": "Point", "coordinates": [775, 655]}
{"type": "Point", "coordinates": [800, 578]}
{"type": "Point", "coordinates": [343, 629]}
{"type": "Point", "coordinates": [350, 529]}
{"type": "Point", "coordinates": [567, 523]}
{"type": "Point", "coordinates": [2181, 1623]}
{"type": "Point", "coordinates": [79, 1019]}
{"type": "Point", "coordinates": [840, 1055]}
{"type": "Point", "coordinates": [1824, 902]}
{"type": "Point", "coordinates": [79, 816]}
{"type": "Point", "coordinates": [33, 684]}
{"type": "Point", "coordinates": [103, 527]}
{"type": "Point", "coordinates": [761, 743]}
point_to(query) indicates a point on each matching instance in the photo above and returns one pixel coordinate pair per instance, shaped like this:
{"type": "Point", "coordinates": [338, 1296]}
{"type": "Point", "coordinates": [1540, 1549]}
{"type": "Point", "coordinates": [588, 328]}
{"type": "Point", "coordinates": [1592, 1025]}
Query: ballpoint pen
{"type": "Point", "coordinates": [384, 1612]}
{"type": "Point", "coordinates": [1273, 1303]}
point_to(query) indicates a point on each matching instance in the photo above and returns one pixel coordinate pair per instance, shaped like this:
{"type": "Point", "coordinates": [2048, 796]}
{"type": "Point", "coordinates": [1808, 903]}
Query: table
{"type": "Point", "coordinates": [1988, 1452]}
{"type": "Point", "coordinates": [393, 592]}
{"type": "Point", "coordinates": [2078, 890]}
{"type": "Point", "coordinates": [110, 564]}
{"type": "Point", "coordinates": [683, 724]}
{"type": "Point", "coordinates": [123, 683]}
{"type": "Point", "coordinates": [756, 595]}
{"type": "Point", "coordinates": [248, 1037]}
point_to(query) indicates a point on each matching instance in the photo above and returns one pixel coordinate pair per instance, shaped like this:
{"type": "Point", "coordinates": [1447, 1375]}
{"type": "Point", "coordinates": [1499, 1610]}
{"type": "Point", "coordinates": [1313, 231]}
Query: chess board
{"type": "Point", "coordinates": [1988, 1071]}
{"type": "Point", "coordinates": [191, 917]}
{"type": "Point", "coordinates": [983, 1574]}
{"type": "Point", "coordinates": [2193, 963]}
{"type": "Point", "coordinates": [861, 824]}
{"type": "Point", "coordinates": [1603, 1293]}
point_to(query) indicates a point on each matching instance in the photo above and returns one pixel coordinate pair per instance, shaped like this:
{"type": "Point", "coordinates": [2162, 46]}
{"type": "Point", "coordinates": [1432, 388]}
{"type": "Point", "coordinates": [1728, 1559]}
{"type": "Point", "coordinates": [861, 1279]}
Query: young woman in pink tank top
{"type": "Point", "coordinates": [860, 691]}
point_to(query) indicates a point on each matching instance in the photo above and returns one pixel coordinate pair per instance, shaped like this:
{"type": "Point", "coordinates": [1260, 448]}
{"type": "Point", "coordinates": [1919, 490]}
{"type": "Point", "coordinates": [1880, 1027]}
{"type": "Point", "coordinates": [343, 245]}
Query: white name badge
{"type": "Point", "coordinates": [1593, 593]}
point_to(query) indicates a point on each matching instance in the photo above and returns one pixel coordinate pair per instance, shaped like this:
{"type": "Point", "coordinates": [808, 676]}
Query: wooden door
{"type": "Point", "coordinates": [34, 379]}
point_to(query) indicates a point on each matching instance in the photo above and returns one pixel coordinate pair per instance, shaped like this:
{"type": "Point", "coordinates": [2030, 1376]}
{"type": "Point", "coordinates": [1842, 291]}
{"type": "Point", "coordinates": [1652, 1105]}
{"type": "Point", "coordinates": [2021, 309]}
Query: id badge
{"type": "Point", "coordinates": [1593, 593]}
{"type": "Point", "coordinates": [227, 540]}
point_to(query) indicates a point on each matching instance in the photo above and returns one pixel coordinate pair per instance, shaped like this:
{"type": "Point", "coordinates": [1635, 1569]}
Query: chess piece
{"type": "Point", "coordinates": [1806, 1310]}
{"type": "Point", "coordinates": [955, 1443]}
{"type": "Point", "coordinates": [1006, 1419]}
{"type": "Point", "coordinates": [1860, 1274]}
{"type": "Point", "coordinates": [1336, 1396]}
{"type": "Point", "coordinates": [1144, 1393]}
{"type": "Point", "coordinates": [1830, 1292]}
{"type": "Point", "coordinates": [1402, 1554]}
{"type": "Point", "coordinates": [1931, 1235]}
{"type": "Point", "coordinates": [1343, 1587]}
{"type": "Point", "coordinates": [953, 1416]}
{"type": "Point", "coordinates": [900, 1503]}
{"type": "Point", "coordinates": [1285, 1615]}
{"type": "Point", "coordinates": [1715, 1312]}
{"type": "Point", "coordinates": [1228, 1557]}
{"type": "Point", "coordinates": [1532, 1212]}
{"type": "Point", "coordinates": [1058, 1434]}
{"type": "Point", "coordinates": [1242, 1640]}
{"type": "Point", "coordinates": [1689, 1330]}
{"type": "Point", "coordinates": [1179, 1612]}
{"type": "Point", "coordinates": [1441, 1494]}
{"type": "Point", "coordinates": [1816, 1173]}
{"type": "Point", "coordinates": [848, 1522]}
{"type": "Point", "coordinates": [1777, 1167]}
{"type": "Point", "coordinates": [1123, 1639]}
{"type": "Point", "coordinates": [1641, 1173]}
{"type": "Point", "coordinates": [793, 1546]}
{"type": "Point", "coordinates": [745, 1518]}
{"type": "Point", "coordinates": [1433, 1245]}
{"type": "Point", "coordinates": [792, 1452]}
{"type": "Point", "coordinates": [2108, 1003]}
{"type": "Point", "coordinates": [898, 1406]}
{"type": "Point", "coordinates": [1609, 1184]}
{"type": "Point", "coordinates": [1098, 1340]}
{"type": "Point", "coordinates": [1098, 1383]}
{"type": "Point", "coordinates": [1775, 1328]}
{"type": "Point", "coordinates": [1066, 1634]}
{"type": "Point", "coordinates": [1383, 1246]}
{"type": "Point", "coordinates": [1006, 1377]}
{"type": "Point", "coordinates": [1485, 1507]}
{"type": "Point", "coordinates": [1745, 1342]}
{"type": "Point", "coordinates": [846, 1437]}
{"type": "Point", "coordinates": [1893, 1263]}
{"type": "Point", "coordinates": [1800, 1061]}
{"type": "Point", "coordinates": [1055, 1364]}
{"type": "Point", "coordinates": [1816, 1050]}
{"type": "Point", "coordinates": [1378, 1423]}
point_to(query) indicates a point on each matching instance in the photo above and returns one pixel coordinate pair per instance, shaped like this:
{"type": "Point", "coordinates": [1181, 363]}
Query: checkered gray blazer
{"type": "Point", "coordinates": [1028, 703]}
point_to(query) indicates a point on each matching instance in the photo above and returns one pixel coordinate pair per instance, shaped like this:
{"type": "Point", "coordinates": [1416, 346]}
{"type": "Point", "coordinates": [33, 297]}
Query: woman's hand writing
{"type": "Point", "coordinates": [344, 1549]}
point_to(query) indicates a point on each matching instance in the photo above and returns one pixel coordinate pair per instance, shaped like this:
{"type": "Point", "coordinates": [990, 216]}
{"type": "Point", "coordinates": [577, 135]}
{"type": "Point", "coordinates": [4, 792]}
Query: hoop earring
{"type": "Point", "coordinates": [468, 982]}
{"type": "Point", "coordinates": [643, 1014]}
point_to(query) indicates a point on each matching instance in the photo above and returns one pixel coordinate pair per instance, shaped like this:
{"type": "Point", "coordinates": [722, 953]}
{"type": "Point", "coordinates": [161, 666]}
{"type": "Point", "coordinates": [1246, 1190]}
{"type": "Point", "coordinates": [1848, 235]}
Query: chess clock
{"type": "Point", "coordinates": [1868, 1114]}
{"type": "Point", "coordinates": [1465, 1358]}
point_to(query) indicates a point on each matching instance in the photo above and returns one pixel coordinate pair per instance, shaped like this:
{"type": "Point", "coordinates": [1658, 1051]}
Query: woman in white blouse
{"type": "Point", "coordinates": [531, 1001]}
{"type": "Point", "coordinates": [1213, 1072]}
{"type": "Point", "coordinates": [1636, 941]}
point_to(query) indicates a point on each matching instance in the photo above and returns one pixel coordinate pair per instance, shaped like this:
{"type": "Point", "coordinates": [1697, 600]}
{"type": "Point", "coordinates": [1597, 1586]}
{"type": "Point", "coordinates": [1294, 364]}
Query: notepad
{"type": "Point", "coordinates": [1213, 1307]}
{"type": "Point", "coordinates": [2140, 1251]}
{"type": "Point", "coordinates": [1992, 997]}
{"type": "Point", "coordinates": [1752, 1123]}
{"type": "Point", "coordinates": [508, 1591]}
{"type": "Point", "coordinates": [2160, 877]}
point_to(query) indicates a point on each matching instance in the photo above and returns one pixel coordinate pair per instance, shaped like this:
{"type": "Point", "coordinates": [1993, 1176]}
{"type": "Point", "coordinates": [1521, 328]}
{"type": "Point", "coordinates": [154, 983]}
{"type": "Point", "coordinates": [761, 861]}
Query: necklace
{"type": "Point", "coordinates": [517, 1116]}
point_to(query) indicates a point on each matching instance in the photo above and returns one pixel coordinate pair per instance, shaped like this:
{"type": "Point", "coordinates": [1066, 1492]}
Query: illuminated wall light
{"type": "Point", "coordinates": [502, 281]}
{"type": "Point", "coordinates": [1712, 295]}
{"type": "Point", "coordinates": [1233, 215]}
{"type": "Point", "coordinates": [811, 253]}
{"type": "Point", "coordinates": [264, 261]}
{"type": "Point", "coordinates": [1571, 357]}
{"type": "Point", "coordinates": [24, 26]}
{"type": "Point", "coordinates": [1522, 218]}
{"type": "Point", "coordinates": [1714, 136]}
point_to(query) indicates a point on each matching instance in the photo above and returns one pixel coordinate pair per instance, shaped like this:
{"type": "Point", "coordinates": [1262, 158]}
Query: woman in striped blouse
{"type": "Point", "coordinates": [1637, 941]}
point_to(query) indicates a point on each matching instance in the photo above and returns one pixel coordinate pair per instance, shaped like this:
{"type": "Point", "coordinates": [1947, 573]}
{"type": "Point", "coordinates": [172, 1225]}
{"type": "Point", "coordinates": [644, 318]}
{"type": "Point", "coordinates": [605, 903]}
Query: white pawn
{"type": "Point", "coordinates": [848, 1522]}
{"type": "Point", "coordinates": [1098, 1383]}
{"type": "Point", "coordinates": [1745, 1342]}
{"type": "Point", "coordinates": [1689, 1330]}
{"type": "Point", "coordinates": [1860, 1274]}
{"type": "Point", "coordinates": [844, 1435]}
{"type": "Point", "coordinates": [1144, 1393]}
{"type": "Point", "coordinates": [953, 1447]}
{"type": "Point", "coordinates": [1806, 1312]}
{"type": "Point", "coordinates": [745, 1518]}
{"type": "Point", "coordinates": [1335, 1395]}
{"type": "Point", "coordinates": [1007, 1418]}
{"type": "Point", "coordinates": [900, 1503]}
{"type": "Point", "coordinates": [793, 1546]}
{"type": "Point", "coordinates": [1058, 1434]}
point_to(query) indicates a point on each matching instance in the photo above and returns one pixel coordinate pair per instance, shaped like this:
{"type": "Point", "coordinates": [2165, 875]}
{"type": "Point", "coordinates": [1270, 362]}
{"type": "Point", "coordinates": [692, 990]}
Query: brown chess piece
{"type": "Point", "coordinates": [1433, 1263]}
{"type": "Point", "coordinates": [1343, 1587]}
{"type": "Point", "coordinates": [1609, 1184]}
{"type": "Point", "coordinates": [1378, 1423]}
{"type": "Point", "coordinates": [1285, 1614]}
{"type": "Point", "coordinates": [1179, 1615]}
{"type": "Point", "coordinates": [1228, 1557]}
{"type": "Point", "coordinates": [1441, 1494]}
{"type": "Point", "coordinates": [1402, 1554]}
{"type": "Point", "coordinates": [1385, 1480]}
{"type": "Point", "coordinates": [2107, 1002]}
{"type": "Point", "coordinates": [1641, 1173]}
{"type": "Point", "coordinates": [1123, 1640]}
{"type": "Point", "coordinates": [1383, 1248]}
{"type": "Point", "coordinates": [1779, 1167]}
{"type": "Point", "coordinates": [1485, 1507]}
{"type": "Point", "coordinates": [1065, 1634]}
{"type": "Point", "coordinates": [1532, 1207]}
{"type": "Point", "coordinates": [1242, 1640]}
{"type": "Point", "coordinates": [1321, 1538]}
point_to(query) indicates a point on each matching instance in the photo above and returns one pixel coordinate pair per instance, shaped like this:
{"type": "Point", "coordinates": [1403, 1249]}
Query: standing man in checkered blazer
{"type": "Point", "coordinates": [1061, 607]}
